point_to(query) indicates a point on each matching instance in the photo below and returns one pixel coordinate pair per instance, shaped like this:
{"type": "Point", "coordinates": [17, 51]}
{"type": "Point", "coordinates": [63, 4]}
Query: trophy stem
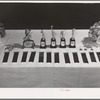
{"type": "Point", "coordinates": [62, 34]}
{"type": "Point", "coordinates": [53, 36]}
{"type": "Point", "coordinates": [73, 31]}
{"type": "Point", "coordinates": [43, 36]}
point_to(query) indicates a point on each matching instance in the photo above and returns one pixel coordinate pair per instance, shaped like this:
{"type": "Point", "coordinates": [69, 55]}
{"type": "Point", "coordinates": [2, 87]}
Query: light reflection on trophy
{"type": "Point", "coordinates": [43, 41]}
{"type": "Point", "coordinates": [53, 39]}
{"type": "Point", "coordinates": [72, 40]}
{"type": "Point", "coordinates": [2, 30]}
{"type": "Point", "coordinates": [62, 40]}
{"type": "Point", "coordinates": [0, 39]}
{"type": "Point", "coordinates": [28, 42]}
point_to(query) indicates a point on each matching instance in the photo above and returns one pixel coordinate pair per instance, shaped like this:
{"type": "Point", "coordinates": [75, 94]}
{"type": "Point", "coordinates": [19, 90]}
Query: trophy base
{"type": "Point", "coordinates": [53, 46]}
{"type": "Point", "coordinates": [72, 46]}
{"type": "Point", "coordinates": [28, 44]}
{"type": "Point", "coordinates": [62, 46]}
{"type": "Point", "coordinates": [43, 47]}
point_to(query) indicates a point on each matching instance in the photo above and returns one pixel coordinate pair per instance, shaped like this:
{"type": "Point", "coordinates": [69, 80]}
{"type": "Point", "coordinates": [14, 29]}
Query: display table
{"type": "Point", "coordinates": [66, 67]}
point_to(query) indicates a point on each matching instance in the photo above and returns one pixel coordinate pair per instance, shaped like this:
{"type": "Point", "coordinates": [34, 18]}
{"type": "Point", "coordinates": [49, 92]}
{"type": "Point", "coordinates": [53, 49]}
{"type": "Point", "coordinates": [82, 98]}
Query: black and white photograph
{"type": "Point", "coordinates": [49, 45]}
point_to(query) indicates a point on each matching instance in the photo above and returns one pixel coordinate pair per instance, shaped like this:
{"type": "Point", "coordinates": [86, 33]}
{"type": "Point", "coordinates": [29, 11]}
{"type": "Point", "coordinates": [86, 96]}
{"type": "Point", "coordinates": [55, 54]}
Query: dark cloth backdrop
{"type": "Point", "coordinates": [43, 15]}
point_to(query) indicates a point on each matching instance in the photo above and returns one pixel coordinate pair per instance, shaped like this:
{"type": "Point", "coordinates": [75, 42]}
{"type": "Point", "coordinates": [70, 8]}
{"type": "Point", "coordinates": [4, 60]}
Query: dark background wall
{"type": "Point", "coordinates": [43, 15]}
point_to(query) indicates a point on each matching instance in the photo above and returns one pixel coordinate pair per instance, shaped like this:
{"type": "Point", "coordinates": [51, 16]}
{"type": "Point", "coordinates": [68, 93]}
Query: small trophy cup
{"type": "Point", "coordinates": [43, 41]}
{"type": "Point", "coordinates": [62, 40]}
{"type": "Point", "coordinates": [72, 40]}
{"type": "Point", "coordinates": [53, 39]}
{"type": "Point", "coordinates": [28, 42]}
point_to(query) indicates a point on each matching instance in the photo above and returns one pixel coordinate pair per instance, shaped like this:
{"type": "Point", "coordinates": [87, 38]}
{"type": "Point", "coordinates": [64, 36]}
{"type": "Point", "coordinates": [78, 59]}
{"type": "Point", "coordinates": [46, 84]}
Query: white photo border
{"type": "Point", "coordinates": [51, 93]}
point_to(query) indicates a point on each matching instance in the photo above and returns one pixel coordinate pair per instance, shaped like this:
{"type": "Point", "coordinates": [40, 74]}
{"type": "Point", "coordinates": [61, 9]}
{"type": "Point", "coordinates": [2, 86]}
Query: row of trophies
{"type": "Point", "coordinates": [28, 42]}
